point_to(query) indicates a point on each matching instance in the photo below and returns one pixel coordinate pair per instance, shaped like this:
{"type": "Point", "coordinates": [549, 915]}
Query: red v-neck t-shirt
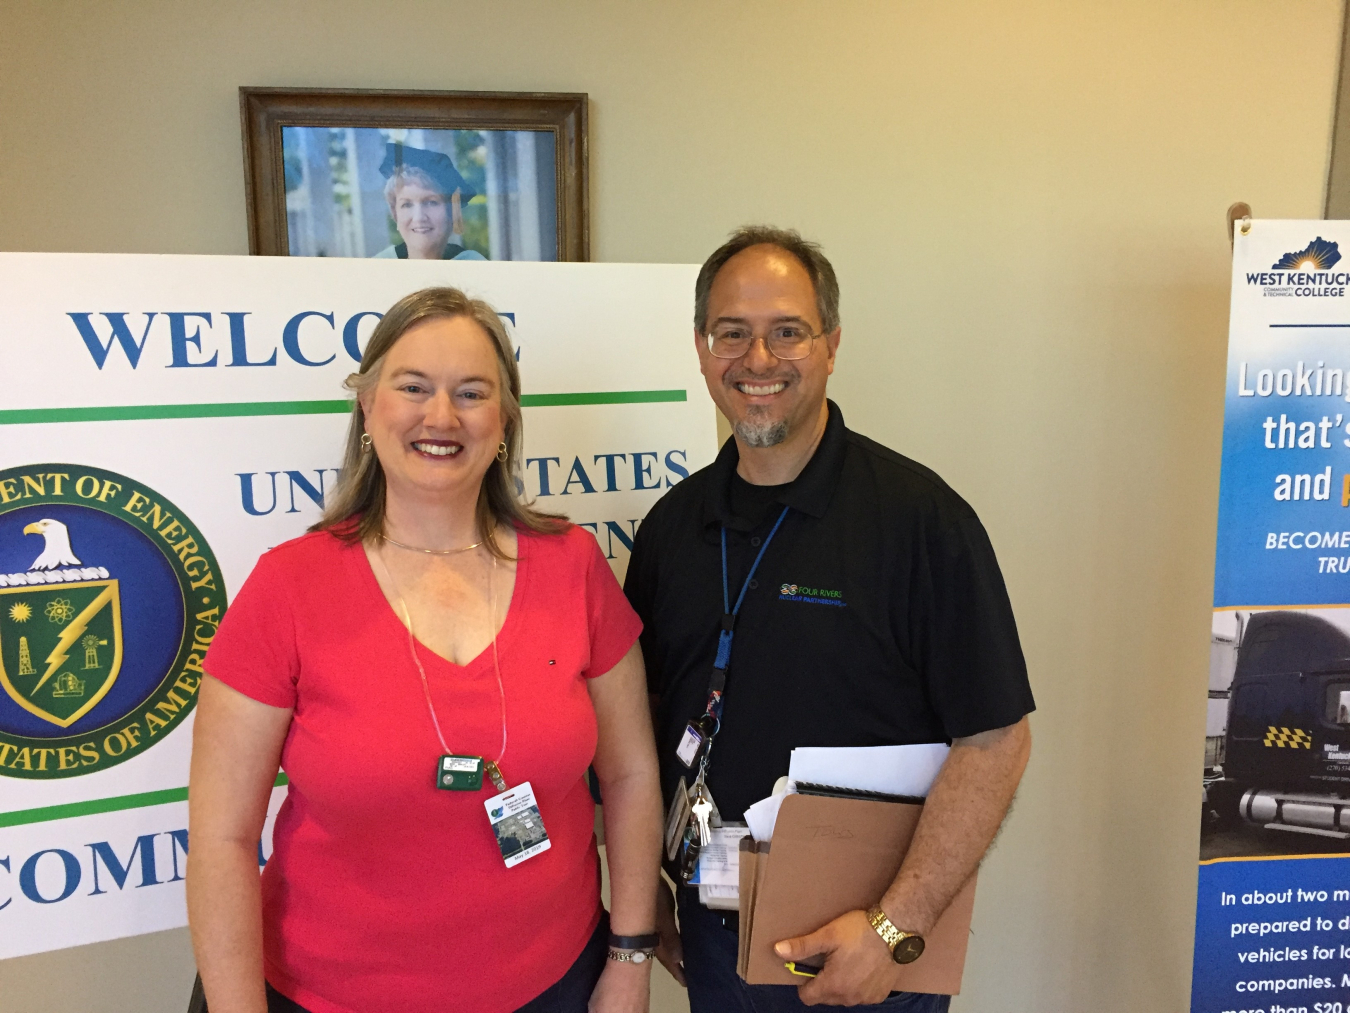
{"type": "Point", "coordinates": [382, 892]}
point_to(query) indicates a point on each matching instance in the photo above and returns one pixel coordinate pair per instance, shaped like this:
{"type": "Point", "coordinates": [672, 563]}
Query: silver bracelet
{"type": "Point", "coordinates": [631, 956]}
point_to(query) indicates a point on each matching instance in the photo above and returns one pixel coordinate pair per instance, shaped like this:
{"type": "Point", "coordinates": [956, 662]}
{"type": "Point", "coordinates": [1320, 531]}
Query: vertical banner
{"type": "Point", "coordinates": [1273, 908]}
{"type": "Point", "coordinates": [164, 421]}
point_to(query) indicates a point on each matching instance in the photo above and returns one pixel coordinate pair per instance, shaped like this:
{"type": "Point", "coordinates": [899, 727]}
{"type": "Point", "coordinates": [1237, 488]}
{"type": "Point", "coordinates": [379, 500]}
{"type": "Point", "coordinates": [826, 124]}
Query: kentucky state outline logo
{"type": "Point", "coordinates": [109, 598]}
{"type": "Point", "coordinates": [1319, 255]}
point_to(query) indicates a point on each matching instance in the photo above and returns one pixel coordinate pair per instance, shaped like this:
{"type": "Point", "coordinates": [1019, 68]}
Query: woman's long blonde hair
{"type": "Point", "coordinates": [355, 511]}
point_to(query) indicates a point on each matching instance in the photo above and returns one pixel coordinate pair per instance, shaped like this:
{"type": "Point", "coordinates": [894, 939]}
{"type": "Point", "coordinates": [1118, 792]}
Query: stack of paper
{"type": "Point", "coordinates": [894, 770]}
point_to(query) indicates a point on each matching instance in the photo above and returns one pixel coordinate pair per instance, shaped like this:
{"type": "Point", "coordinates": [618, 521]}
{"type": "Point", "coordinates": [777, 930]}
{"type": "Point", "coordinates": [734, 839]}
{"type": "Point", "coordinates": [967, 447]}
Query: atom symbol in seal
{"type": "Point", "coordinates": [59, 610]}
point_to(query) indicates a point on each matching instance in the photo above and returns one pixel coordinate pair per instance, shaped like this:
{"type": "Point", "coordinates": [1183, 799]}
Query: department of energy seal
{"type": "Point", "coordinates": [109, 598]}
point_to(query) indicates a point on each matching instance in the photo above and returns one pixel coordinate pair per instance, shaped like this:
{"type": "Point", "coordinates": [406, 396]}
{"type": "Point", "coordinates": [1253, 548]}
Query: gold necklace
{"type": "Point", "coordinates": [430, 552]}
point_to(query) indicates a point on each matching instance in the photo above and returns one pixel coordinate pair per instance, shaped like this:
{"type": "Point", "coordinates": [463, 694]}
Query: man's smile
{"type": "Point", "coordinates": [760, 389]}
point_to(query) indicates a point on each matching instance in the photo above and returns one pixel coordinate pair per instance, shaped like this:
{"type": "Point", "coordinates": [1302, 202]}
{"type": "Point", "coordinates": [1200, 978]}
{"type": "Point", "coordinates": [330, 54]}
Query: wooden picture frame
{"type": "Point", "coordinates": [342, 118]}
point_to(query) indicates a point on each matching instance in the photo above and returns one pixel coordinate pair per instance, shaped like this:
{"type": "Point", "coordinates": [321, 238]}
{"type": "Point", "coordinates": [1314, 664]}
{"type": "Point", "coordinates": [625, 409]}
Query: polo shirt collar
{"type": "Point", "coordinates": [810, 492]}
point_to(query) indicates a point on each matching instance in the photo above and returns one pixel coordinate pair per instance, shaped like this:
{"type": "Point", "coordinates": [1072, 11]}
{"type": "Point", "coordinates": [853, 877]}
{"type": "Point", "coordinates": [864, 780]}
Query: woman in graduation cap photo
{"type": "Point", "coordinates": [425, 193]}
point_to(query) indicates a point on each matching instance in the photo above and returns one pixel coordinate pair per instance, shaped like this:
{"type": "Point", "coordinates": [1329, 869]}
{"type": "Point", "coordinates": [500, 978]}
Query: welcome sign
{"type": "Point", "coordinates": [1273, 910]}
{"type": "Point", "coordinates": [168, 419]}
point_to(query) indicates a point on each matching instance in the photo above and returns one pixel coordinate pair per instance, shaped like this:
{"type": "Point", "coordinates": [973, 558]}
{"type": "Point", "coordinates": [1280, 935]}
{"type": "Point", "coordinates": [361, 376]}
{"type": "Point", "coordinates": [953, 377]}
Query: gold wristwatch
{"type": "Point", "coordinates": [905, 947]}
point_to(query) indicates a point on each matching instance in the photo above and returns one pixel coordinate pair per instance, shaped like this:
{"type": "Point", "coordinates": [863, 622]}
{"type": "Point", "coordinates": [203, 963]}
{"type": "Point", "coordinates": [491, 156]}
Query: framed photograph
{"type": "Point", "coordinates": [420, 175]}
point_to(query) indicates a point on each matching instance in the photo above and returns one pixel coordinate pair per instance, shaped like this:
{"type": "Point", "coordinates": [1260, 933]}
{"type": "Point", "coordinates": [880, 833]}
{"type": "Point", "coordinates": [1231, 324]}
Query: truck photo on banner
{"type": "Point", "coordinates": [168, 419]}
{"type": "Point", "coordinates": [1273, 907]}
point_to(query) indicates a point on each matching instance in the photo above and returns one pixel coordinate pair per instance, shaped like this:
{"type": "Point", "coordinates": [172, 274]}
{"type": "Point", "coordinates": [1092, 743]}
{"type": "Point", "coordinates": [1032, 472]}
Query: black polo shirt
{"type": "Point", "coordinates": [878, 615]}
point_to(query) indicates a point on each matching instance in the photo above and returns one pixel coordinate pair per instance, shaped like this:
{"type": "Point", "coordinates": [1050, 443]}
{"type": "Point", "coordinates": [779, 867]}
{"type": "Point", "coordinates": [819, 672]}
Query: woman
{"type": "Point", "coordinates": [429, 615]}
{"type": "Point", "coordinates": [425, 193]}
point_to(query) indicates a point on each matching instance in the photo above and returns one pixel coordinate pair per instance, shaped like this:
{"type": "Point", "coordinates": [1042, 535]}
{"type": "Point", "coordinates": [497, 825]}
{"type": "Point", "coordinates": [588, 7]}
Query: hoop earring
{"type": "Point", "coordinates": [502, 455]}
{"type": "Point", "coordinates": [366, 443]}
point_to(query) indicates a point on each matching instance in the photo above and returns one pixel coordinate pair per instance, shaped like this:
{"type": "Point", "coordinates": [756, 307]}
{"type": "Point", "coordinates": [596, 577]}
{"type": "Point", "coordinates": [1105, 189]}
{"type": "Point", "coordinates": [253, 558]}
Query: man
{"type": "Point", "coordinates": [905, 634]}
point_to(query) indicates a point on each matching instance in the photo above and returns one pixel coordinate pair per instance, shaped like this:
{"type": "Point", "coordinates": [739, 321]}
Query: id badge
{"type": "Point", "coordinates": [459, 773]}
{"type": "Point", "coordinates": [677, 818]}
{"type": "Point", "coordinates": [519, 829]}
{"type": "Point", "coordinates": [719, 864]}
{"type": "Point", "coordinates": [687, 751]}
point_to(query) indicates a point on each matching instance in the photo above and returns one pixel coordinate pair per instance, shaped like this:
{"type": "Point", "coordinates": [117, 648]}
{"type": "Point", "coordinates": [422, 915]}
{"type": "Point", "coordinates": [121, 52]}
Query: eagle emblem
{"type": "Point", "coordinates": [60, 631]}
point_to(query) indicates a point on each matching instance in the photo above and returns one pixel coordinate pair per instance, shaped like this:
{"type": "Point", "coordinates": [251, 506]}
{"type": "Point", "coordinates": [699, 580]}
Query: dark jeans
{"type": "Point", "coordinates": [569, 994]}
{"type": "Point", "coordinates": [715, 987]}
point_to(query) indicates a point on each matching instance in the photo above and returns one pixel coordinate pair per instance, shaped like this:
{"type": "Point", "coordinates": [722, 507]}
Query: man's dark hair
{"type": "Point", "coordinates": [789, 240]}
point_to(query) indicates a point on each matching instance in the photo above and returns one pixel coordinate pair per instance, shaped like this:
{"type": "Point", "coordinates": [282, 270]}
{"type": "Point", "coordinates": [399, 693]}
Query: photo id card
{"type": "Point", "coordinates": [687, 751]}
{"type": "Point", "coordinates": [516, 822]}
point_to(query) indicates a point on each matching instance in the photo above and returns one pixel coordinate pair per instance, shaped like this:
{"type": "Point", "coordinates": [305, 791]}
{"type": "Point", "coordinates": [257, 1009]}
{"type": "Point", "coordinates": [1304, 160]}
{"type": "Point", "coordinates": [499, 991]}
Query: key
{"type": "Point", "coordinates": [715, 816]}
{"type": "Point", "coordinates": [702, 810]}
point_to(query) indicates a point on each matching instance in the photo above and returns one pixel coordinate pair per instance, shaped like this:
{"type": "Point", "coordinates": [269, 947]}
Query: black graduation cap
{"type": "Point", "coordinates": [434, 163]}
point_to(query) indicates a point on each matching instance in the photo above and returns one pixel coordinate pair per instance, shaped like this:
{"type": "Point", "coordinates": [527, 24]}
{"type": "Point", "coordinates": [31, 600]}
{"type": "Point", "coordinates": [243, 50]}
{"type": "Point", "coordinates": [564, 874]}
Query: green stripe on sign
{"type": "Point", "coordinates": [122, 413]}
{"type": "Point", "coordinates": [234, 409]}
{"type": "Point", "coordinates": [103, 805]}
{"type": "Point", "coordinates": [602, 397]}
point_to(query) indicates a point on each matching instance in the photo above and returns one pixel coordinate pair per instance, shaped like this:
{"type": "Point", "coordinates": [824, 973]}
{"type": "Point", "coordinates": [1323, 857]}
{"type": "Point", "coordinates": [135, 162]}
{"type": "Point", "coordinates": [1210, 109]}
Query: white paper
{"type": "Point", "coordinates": [720, 898]}
{"type": "Point", "coordinates": [707, 891]}
{"type": "Point", "coordinates": [896, 770]}
{"type": "Point", "coordinates": [763, 815]}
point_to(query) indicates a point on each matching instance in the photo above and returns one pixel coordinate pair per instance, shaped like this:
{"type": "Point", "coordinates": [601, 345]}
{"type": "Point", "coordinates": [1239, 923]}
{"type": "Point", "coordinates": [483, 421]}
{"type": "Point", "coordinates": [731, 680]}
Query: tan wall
{"type": "Point", "coordinates": [1025, 204]}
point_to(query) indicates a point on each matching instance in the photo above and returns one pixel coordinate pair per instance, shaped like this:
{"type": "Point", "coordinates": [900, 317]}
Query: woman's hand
{"type": "Point", "coordinates": [625, 763]}
{"type": "Point", "coordinates": [236, 746]}
{"type": "Point", "coordinates": [624, 987]}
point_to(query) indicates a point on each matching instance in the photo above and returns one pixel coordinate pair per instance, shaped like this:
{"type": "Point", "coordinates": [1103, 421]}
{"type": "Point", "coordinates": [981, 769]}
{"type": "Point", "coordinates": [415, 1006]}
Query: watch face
{"type": "Point", "coordinates": [908, 949]}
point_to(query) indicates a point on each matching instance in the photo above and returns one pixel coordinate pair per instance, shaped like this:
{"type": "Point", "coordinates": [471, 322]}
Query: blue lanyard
{"type": "Point", "coordinates": [717, 684]}
{"type": "Point", "coordinates": [729, 613]}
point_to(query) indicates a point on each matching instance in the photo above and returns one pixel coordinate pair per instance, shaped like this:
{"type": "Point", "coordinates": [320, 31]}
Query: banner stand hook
{"type": "Point", "coordinates": [1239, 211]}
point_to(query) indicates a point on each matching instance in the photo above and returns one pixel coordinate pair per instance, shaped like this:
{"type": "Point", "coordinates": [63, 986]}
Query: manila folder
{"type": "Point", "coordinates": [834, 855]}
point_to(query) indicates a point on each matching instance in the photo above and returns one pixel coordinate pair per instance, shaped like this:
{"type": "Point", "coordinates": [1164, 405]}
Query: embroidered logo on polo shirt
{"type": "Point", "coordinates": [811, 595]}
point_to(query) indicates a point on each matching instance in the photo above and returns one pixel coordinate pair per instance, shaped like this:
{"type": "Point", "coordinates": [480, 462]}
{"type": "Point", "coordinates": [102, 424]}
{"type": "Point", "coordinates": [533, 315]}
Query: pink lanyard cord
{"type": "Point", "coordinates": [426, 686]}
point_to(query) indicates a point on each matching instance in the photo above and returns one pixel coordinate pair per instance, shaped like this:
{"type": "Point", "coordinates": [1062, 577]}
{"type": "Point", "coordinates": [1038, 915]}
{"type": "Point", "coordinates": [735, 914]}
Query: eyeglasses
{"type": "Point", "coordinates": [784, 341]}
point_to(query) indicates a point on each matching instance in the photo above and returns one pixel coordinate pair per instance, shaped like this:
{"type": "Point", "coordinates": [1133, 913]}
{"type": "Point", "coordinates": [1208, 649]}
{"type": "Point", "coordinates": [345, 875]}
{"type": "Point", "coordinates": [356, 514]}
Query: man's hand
{"type": "Point", "coordinates": [858, 965]}
{"type": "Point", "coordinates": [669, 950]}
